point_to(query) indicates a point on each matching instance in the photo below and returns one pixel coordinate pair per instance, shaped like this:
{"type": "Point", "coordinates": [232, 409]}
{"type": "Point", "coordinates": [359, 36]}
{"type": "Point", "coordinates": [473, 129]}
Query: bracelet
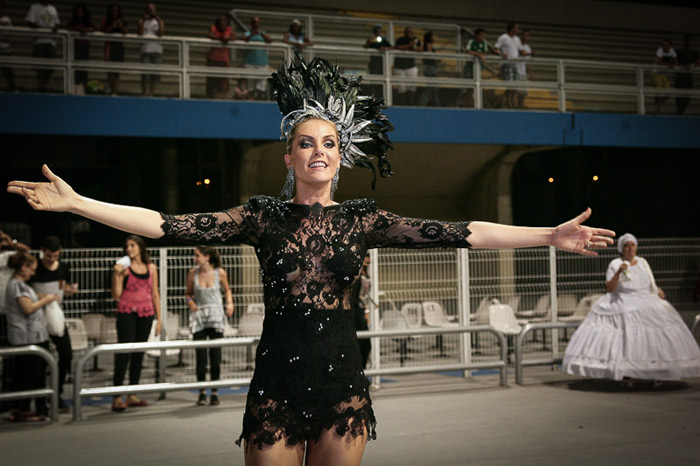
{"type": "Point", "coordinates": [188, 299]}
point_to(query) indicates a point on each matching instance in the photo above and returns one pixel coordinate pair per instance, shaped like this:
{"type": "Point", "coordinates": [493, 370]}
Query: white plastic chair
{"type": "Point", "coordinates": [542, 310]}
{"type": "Point", "coordinates": [566, 305]}
{"type": "Point", "coordinates": [435, 316]}
{"type": "Point", "coordinates": [250, 325]}
{"type": "Point", "coordinates": [255, 308]}
{"type": "Point", "coordinates": [481, 316]}
{"type": "Point", "coordinates": [93, 327]}
{"type": "Point", "coordinates": [502, 318]}
{"type": "Point", "coordinates": [395, 320]}
{"type": "Point", "coordinates": [582, 308]}
{"type": "Point", "coordinates": [108, 331]}
{"type": "Point", "coordinates": [413, 313]}
{"type": "Point", "coordinates": [78, 335]}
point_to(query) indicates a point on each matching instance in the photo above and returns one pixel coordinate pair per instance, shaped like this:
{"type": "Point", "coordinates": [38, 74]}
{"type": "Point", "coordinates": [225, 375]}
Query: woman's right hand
{"type": "Point", "coordinates": [192, 305]}
{"type": "Point", "coordinates": [54, 196]}
{"type": "Point", "coordinates": [119, 269]}
{"type": "Point", "coordinates": [622, 268]}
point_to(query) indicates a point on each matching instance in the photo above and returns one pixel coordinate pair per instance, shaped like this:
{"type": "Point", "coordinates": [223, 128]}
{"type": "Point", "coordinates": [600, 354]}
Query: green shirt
{"type": "Point", "coordinates": [474, 46]}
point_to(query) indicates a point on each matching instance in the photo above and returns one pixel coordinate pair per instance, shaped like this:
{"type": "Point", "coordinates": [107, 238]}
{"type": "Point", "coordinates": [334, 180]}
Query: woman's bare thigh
{"type": "Point", "coordinates": [333, 450]}
{"type": "Point", "coordinates": [273, 455]}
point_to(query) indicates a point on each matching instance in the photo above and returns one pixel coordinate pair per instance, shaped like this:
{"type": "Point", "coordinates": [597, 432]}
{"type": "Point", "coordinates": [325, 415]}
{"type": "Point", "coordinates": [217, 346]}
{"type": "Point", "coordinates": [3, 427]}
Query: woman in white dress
{"type": "Point", "coordinates": [632, 331]}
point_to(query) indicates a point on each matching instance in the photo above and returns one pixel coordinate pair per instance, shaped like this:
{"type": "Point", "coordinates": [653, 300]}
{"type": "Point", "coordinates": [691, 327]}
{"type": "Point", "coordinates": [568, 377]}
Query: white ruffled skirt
{"type": "Point", "coordinates": [633, 335]}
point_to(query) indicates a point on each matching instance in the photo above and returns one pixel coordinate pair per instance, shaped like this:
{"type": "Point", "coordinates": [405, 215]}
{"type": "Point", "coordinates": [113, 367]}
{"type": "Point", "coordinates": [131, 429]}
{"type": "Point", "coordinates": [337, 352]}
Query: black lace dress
{"type": "Point", "coordinates": [308, 371]}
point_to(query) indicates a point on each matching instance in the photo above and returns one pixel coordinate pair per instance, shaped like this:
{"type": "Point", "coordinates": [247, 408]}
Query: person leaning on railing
{"type": "Point", "coordinates": [81, 22]}
{"type": "Point", "coordinates": [5, 51]}
{"type": "Point", "coordinates": [218, 86]}
{"type": "Point", "coordinates": [43, 15]}
{"type": "Point", "coordinates": [113, 23]}
{"type": "Point", "coordinates": [151, 25]}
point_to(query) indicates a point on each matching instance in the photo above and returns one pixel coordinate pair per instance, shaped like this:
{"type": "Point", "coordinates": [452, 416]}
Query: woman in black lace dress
{"type": "Point", "coordinates": [308, 399]}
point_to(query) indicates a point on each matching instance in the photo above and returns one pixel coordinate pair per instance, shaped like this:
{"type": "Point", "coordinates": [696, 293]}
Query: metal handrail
{"type": "Point", "coordinates": [184, 71]}
{"type": "Point", "coordinates": [519, 363]}
{"type": "Point", "coordinates": [501, 364]}
{"type": "Point", "coordinates": [53, 377]}
{"type": "Point", "coordinates": [79, 392]}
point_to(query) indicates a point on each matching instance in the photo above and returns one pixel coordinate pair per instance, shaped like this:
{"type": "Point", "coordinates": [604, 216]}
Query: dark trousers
{"type": "Point", "coordinates": [65, 357]}
{"type": "Point", "coordinates": [365, 343]}
{"type": "Point", "coordinates": [130, 329]}
{"type": "Point", "coordinates": [7, 363]}
{"type": "Point", "coordinates": [214, 355]}
{"type": "Point", "coordinates": [29, 374]}
{"type": "Point", "coordinates": [683, 81]}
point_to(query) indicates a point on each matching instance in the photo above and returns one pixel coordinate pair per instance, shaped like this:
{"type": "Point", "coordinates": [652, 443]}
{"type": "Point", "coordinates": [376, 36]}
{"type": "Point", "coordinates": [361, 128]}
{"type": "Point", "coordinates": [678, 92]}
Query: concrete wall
{"type": "Point", "coordinates": [585, 13]}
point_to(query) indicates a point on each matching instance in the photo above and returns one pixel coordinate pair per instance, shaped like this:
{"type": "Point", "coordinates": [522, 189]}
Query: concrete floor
{"type": "Point", "coordinates": [423, 420]}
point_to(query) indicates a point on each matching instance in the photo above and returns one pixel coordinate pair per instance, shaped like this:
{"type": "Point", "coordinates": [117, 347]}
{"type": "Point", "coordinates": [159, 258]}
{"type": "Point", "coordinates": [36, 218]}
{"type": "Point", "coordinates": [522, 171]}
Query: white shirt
{"type": "Point", "coordinates": [522, 66]}
{"type": "Point", "coordinates": [508, 45]}
{"type": "Point", "coordinates": [150, 29]}
{"type": "Point", "coordinates": [44, 16]}
{"type": "Point", "coordinates": [666, 57]}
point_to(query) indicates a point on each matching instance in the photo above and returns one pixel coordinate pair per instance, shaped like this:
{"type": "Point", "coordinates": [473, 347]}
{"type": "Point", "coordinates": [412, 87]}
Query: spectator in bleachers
{"type": "Point", "coordinates": [240, 92]}
{"type": "Point", "coordinates": [43, 15]}
{"type": "Point", "coordinates": [508, 46]}
{"type": "Point", "coordinates": [81, 22]}
{"type": "Point", "coordinates": [113, 23]}
{"type": "Point", "coordinates": [665, 60]}
{"type": "Point", "coordinates": [431, 94]}
{"type": "Point", "coordinates": [524, 70]}
{"type": "Point", "coordinates": [406, 66]}
{"type": "Point", "coordinates": [53, 277]}
{"type": "Point", "coordinates": [207, 316]}
{"type": "Point", "coordinates": [218, 87]}
{"type": "Point", "coordinates": [687, 60]}
{"type": "Point", "coordinates": [257, 58]}
{"type": "Point", "coordinates": [296, 37]}
{"type": "Point", "coordinates": [151, 25]}
{"type": "Point", "coordinates": [476, 47]}
{"type": "Point", "coordinates": [26, 325]}
{"type": "Point", "coordinates": [377, 42]}
{"type": "Point", "coordinates": [5, 51]}
{"type": "Point", "coordinates": [8, 247]}
{"type": "Point", "coordinates": [135, 288]}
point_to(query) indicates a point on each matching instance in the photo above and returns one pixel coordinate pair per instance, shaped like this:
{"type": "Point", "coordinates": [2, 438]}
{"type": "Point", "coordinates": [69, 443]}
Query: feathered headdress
{"type": "Point", "coordinates": [318, 90]}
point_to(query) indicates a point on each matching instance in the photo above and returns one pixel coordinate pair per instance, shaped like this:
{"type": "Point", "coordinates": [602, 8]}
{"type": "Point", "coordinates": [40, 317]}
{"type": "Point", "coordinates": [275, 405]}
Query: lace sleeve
{"type": "Point", "coordinates": [239, 225]}
{"type": "Point", "coordinates": [385, 230]}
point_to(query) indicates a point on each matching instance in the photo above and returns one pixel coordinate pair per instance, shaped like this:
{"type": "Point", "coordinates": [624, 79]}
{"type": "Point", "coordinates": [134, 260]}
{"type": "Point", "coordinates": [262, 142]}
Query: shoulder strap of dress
{"type": "Point", "coordinates": [651, 275]}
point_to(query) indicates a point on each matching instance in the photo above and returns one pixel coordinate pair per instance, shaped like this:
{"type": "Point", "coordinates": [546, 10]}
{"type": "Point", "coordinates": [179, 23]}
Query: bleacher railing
{"type": "Point", "coordinates": [559, 85]}
{"type": "Point", "coordinates": [540, 284]}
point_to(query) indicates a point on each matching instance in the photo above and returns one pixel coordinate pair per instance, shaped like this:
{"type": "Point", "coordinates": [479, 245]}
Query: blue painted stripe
{"type": "Point", "coordinates": [172, 118]}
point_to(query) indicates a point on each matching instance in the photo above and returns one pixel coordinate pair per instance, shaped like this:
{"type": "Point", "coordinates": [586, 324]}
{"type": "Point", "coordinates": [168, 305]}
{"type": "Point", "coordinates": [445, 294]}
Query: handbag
{"type": "Point", "coordinates": [55, 320]}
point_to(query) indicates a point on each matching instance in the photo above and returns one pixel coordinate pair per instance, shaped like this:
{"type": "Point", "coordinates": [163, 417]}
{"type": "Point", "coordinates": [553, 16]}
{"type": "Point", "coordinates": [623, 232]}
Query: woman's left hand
{"type": "Point", "coordinates": [662, 295]}
{"type": "Point", "coordinates": [159, 327]}
{"type": "Point", "coordinates": [574, 237]}
{"type": "Point", "coordinates": [229, 309]}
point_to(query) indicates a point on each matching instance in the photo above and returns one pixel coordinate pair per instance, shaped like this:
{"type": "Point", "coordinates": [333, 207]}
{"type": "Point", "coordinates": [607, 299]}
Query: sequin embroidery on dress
{"type": "Point", "coordinates": [308, 376]}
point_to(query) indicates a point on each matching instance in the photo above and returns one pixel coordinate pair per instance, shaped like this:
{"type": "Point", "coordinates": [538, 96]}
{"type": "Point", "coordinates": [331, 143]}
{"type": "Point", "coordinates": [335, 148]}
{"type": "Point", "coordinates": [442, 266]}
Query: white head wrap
{"type": "Point", "coordinates": [626, 238]}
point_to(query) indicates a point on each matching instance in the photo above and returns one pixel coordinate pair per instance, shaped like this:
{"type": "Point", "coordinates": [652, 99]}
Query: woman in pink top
{"type": "Point", "coordinates": [217, 87]}
{"type": "Point", "coordinates": [136, 290]}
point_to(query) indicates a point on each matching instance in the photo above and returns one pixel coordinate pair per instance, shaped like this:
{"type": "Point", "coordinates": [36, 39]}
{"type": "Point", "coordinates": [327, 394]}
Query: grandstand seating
{"type": "Point", "coordinates": [549, 41]}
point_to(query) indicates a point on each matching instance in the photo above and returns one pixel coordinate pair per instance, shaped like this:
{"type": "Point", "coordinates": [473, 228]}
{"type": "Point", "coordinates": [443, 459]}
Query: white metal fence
{"type": "Point", "coordinates": [436, 288]}
{"type": "Point", "coordinates": [550, 84]}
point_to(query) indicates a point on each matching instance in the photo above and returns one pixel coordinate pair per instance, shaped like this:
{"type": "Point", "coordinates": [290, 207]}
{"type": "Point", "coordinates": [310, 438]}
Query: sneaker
{"type": "Point", "coordinates": [214, 400]}
{"type": "Point", "coordinates": [202, 400]}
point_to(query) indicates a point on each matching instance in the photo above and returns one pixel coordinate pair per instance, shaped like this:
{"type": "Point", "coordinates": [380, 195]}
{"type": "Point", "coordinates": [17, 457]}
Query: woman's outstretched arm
{"type": "Point", "coordinates": [571, 236]}
{"type": "Point", "coordinates": [57, 196]}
